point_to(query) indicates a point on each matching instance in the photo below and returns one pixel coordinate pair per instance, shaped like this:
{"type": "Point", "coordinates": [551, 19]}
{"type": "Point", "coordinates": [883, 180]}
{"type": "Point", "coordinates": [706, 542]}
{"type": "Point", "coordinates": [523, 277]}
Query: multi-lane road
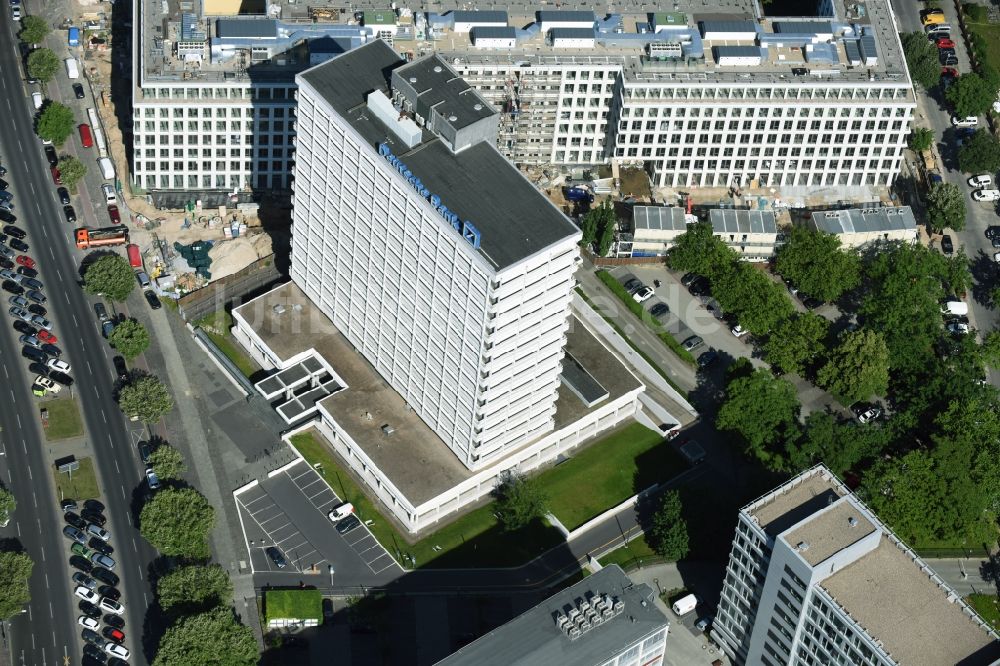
{"type": "Point", "coordinates": [47, 633]}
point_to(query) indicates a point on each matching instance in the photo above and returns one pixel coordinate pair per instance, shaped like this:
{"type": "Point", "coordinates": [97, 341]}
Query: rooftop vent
{"type": "Point", "coordinates": [387, 430]}
{"type": "Point", "coordinates": [368, 416]}
{"type": "Point", "coordinates": [437, 68]}
{"type": "Point", "coordinates": [413, 79]}
{"type": "Point", "coordinates": [852, 521]}
{"type": "Point", "coordinates": [452, 118]}
{"type": "Point", "coordinates": [279, 309]}
{"type": "Point", "coordinates": [297, 307]}
{"type": "Point", "coordinates": [478, 107]}
{"type": "Point", "coordinates": [802, 546]}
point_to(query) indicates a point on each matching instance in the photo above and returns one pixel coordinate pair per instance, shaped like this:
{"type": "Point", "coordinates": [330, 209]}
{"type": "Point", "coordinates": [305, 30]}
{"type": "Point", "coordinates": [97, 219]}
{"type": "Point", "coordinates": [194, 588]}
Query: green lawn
{"type": "Point", "coordinates": [473, 540]}
{"type": "Point", "coordinates": [631, 554]}
{"type": "Point", "coordinates": [986, 605]}
{"type": "Point", "coordinates": [991, 33]}
{"type": "Point", "coordinates": [293, 605]}
{"type": "Point", "coordinates": [64, 419]}
{"type": "Point", "coordinates": [609, 472]}
{"type": "Point", "coordinates": [82, 485]}
{"type": "Point", "coordinates": [216, 327]}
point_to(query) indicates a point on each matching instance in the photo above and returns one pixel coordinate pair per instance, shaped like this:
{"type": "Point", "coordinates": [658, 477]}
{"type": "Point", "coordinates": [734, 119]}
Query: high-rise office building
{"type": "Point", "coordinates": [815, 578]}
{"type": "Point", "coordinates": [433, 255]}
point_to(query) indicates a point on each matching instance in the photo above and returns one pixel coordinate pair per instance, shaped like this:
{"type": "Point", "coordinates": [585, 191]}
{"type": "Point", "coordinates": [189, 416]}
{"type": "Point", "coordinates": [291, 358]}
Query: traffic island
{"type": "Point", "coordinates": [61, 419]}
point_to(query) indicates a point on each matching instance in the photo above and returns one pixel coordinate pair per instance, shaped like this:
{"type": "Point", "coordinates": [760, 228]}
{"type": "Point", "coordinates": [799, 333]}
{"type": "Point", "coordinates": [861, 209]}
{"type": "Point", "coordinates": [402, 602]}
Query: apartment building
{"type": "Point", "coordinates": [432, 254]}
{"type": "Point", "coordinates": [708, 95]}
{"type": "Point", "coordinates": [857, 227]}
{"type": "Point", "coordinates": [815, 578]}
{"type": "Point", "coordinates": [604, 620]}
{"type": "Point", "coordinates": [651, 231]}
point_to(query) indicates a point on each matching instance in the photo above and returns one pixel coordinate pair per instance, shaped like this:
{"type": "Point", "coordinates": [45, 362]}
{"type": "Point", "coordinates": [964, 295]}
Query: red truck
{"type": "Point", "coordinates": [134, 256]}
{"type": "Point", "coordinates": [103, 237]}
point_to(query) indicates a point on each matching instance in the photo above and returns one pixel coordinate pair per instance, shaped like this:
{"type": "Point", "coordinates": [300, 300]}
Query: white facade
{"type": "Point", "coordinates": [476, 351]}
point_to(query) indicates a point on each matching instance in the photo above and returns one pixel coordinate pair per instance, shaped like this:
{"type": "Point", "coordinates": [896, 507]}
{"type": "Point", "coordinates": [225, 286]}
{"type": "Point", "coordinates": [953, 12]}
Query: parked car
{"type": "Point", "coordinates": [89, 609]}
{"type": "Point", "coordinates": [276, 556]}
{"type": "Point", "coordinates": [70, 213]}
{"type": "Point", "coordinates": [986, 195]}
{"type": "Point", "coordinates": [99, 532]}
{"type": "Point", "coordinates": [81, 563]}
{"type": "Point", "coordinates": [88, 622]}
{"type": "Point", "coordinates": [692, 342]}
{"type": "Point", "coordinates": [348, 524]}
{"type": "Point", "coordinates": [643, 294]}
{"type": "Point", "coordinates": [81, 578]}
{"type": "Point", "coordinates": [707, 358]}
{"type": "Point", "coordinates": [699, 287]}
{"type": "Point", "coordinates": [968, 121]}
{"type": "Point", "coordinates": [112, 606]}
{"type": "Point", "coordinates": [74, 534]}
{"type": "Point", "coordinates": [738, 331]}
{"type": "Point", "coordinates": [78, 91]}
{"type": "Point", "coordinates": [947, 246]}
{"type": "Point", "coordinates": [866, 412]}
{"type": "Point", "coordinates": [689, 278]}
{"type": "Point", "coordinates": [86, 594]}
{"type": "Point", "coordinates": [632, 285]}
{"type": "Point", "coordinates": [105, 576]}
{"type": "Point", "coordinates": [152, 299]}
{"type": "Point", "coordinates": [152, 480]}
{"type": "Point", "coordinates": [63, 195]}
{"type": "Point", "coordinates": [945, 43]}
{"type": "Point", "coordinates": [75, 520]}
{"type": "Point", "coordinates": [659, 310]}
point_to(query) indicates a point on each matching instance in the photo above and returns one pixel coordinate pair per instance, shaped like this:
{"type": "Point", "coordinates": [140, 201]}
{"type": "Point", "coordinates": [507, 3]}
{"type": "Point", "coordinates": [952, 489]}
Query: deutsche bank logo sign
{"type": "Point", "coordinates": [465, 228]}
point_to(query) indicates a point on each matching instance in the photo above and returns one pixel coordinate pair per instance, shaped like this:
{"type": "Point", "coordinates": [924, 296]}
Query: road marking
{"type": "Point", "coordinates": [24, 446]}
{"type": "Point", "coordinates": [139, 567]}
{"type": "Point", "coordinates": [117, 468]}
{"type": "Point", "coordinates": [34, 497]}
{"type": "Point", "coordinates": [92, 372]}
{"type": "Point", "coordinates": [46, 234]}
{"type": "Point", "coordinates": [5, 372]}
{"type": "Point", "coordinates": [102, 411]}
{"type": "Point", "coordinates": [128, 518]}
{"type": "Point", "coordinates": [51, 254]}
{"type": "Point", "coordinates": [17, 525]}
{"type": "Point", "coordinates": [47, 587]}
{"type": "Point", "coordinates": [75, 322]}
{"type": "Point", "coordinates": [31, 184]}
{"type": "Point", "coordinates": [18, 416]}
{"type": "Point", "coordinates": [122, 488]}
{"type": "Point", "coordinates": [29, 474]}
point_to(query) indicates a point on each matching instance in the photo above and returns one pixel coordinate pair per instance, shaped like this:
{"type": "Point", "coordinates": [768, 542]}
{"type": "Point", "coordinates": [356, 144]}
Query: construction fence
{"type": "Point", "coordinates": [232, 290]}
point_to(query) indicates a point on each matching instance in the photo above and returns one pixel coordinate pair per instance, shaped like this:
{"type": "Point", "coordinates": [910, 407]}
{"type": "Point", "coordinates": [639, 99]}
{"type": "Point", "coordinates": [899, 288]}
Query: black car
{"type": "Point", "coordinates": [75, 520]}
{"type": "Point", "coordinates": [61, 378]}
{"type": "Point", "coordinates": [94, 505]}
{"type": "Point", "coordinates": [18, 245]}
{"type": "Point", "coordinates": [145, 450]}
{"type": "Point", "coordinates": [101, 546]}
{"type": "Point", "coordinates": [152, 299]}
{"type": "Point", "coordinates": [811, 303]}
{"type": "Point", "coordinates": [81, 563]}
{"type": "Point", "coordinates": [348, 524]}
{"type": "Point", "coordinates": [993, 231]}
{"type": "Point", "coordinates": [34, 354]}
{"type": "Point", "coordinates": [70, 213]}
{"type": "Point", "coordinates": [95, 653]}
{"type": "Point", "coordinates": [708, 358]}
{"type": "Point", "coordinates": [14, 232]}
{"type": "Point", "coordinates": [3, 171]}
{"type": "Point", "coordinates": [91, 636]}
{"type": "Point", "coordinates": [689, 278]}
{"type": "Point", "coordinates": [63, 195]}
{"type": "Point", "coordinates": [6, 263]}
{"type": "Point", "coordinates": [947, 246]}
{"type": "Point", "coordinates": [89, 609]}
{"type": "Point", "coordinates": [95, 517]}
{"type": "Point", "coordinates": [37, 309]}
{"type": "Point", "coordinates": [27, 272]}
{"type": "Point", "coordinates": [276, 556]}
{"type": "Point", "coordinates": [659, 310]}
{"type": "Point", "coordinates": [36, 295]}
{"type": "Point", "coordinates": [100, 311]}
{"type": "Point", "coordinates": [632, 285]}
{"type": "Point", "coordinates": [110, 592]}
{"type": "Point", "coordinates": [25, 327]}
{"type": "Point", "coordinates": [12, 287]}
{"type": "Point", "coordinates": [78, 91]}
{"type": "Point", "coordinates": [50, 155]}
{"type": "Point", "coordinates": [4, 184]}
{"type": "Point", "coordinates": [121, 369]}
{"type": "Point", "coordinates": [38, 369]}
{"type": "Point", "coordinates": [699, 287]}
{"type": "Point", "coordinates": [116, 621]}
{"type": "Point", "coordinates": [68, 504]}
{"type": "Point", "coordinates": [51, 350]}
{"type": "Point", "coordinates": [7, 216]}
{"type": "Point", "coordinates": [105, 576]}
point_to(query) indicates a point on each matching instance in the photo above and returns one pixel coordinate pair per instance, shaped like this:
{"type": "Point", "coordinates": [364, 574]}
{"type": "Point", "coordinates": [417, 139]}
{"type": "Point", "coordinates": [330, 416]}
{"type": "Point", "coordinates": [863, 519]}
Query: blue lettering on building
{"type": "Point", "coordinates": [465, 229]}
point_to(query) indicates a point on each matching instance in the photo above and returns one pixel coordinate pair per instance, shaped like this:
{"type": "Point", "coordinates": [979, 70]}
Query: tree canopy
{"type": "Point", "coordinates": [797, 342]}
{"type": "Point", "coordinates": [945, 207]}
{"type": "Point", "coordinates": [194, 588]}
{"type": "Point", "coordinates": [130, 338]}
{"type": "Point", "coordinates": [763, 411]}
{"type": "Point", "coordinates": [980, 153]}
{"type": "Point", "coordinates": [519, 500]}
{"type": "Point", "coordinates": [145, 397]}
{"type": "Point", "coordinates": [757, 301]}
{"type": "Point", "coordinates": [43, 65]}
{"type": "Point", "coordinates": [699, 251]}
{"type": "Point", "coordinates": [837, 444]}
{"type": "Point", "coordinates": [55, 123]}
{"type": "Point", "coordinates": [213, 637]}
{"type": "Point", "coordinates": [816, 264]}
{"type": "Point", "coordinates": [111, 276]}
{"type": "Point", "coordinates": [15, 570]}
{"type": "Point", "coordinates": [71, 171]}
{"type": "Point", "coordinates": [858, 367]}
{"type": "Point", "coordinates": [7, 505]}
{"type": "Point", "coordinates": [668, 535]}
{"type": "Point", "coordinates": [177, 522]}
{"type": "Point", "coordinates": [921, 139]}
{"type": "Point", "coordinates": [33, 29]}
{"type": "Point", "coordinates": [970, 95]}
{"type": "Point", "coordinates": [167, 462]}
{"type": "Point", "coordinates": [921, 59]}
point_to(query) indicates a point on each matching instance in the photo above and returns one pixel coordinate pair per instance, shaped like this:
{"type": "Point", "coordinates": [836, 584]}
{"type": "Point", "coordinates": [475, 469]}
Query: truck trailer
{"type": "Point", "coordinates": [103, 237]}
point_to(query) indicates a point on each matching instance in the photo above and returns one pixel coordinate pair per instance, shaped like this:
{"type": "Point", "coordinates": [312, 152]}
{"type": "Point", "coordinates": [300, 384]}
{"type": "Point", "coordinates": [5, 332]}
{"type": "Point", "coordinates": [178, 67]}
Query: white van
{"type": "Point", "coordinates": [107, 169]}
{"type": "Point", "coordinates": [340, 512]}
{"type": "Point", "coordinates": [955, 308]}
{"type": "Point", "coordinates": [72, 70]}
{"type": "Point", "coordinates": [109, 194]}
{"type": "Point", "coordinates": [686, 604]}
{"type": "Point", "coordinates": [36, 99]}
{"type": "Point", "coordinates": [937, 29]}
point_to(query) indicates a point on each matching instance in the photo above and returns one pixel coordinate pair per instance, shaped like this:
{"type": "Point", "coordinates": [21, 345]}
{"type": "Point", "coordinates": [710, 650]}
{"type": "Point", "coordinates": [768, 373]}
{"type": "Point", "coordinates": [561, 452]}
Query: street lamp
{"type": "Point", "coordinates": [330, 569]}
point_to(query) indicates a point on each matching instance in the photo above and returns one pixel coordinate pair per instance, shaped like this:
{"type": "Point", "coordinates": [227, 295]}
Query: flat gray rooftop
{"type": "Point", "coordinates": [917, 621]}
{"type": "Point", "coordinates": [660, 218]}
{"type": "Point", "coordinates": [829, 532]}
{"type": "Point", "coordinates": [795, 501]}
{"type": "Point", "coordinates": [534, 639]}
{"type": "Point", "coordinates": [478, 183]}
{"type": "Point", "coordinates": [729, 221]}
{"type": "Point", "coordinates": [437, 85]}
{"type": "Point", "coordinates": [414, 458]}
{"type": "Point", "coordinates": [865, 220]}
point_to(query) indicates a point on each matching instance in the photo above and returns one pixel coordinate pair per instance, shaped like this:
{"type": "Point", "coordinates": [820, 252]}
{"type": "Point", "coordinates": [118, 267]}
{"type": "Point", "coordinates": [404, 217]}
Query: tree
{"type": "Point", "coordinates": [588, 229]}
{"type": "Point", "coordinates": [213, 637]}
{"type": "Point", "coordinates": [763, 411]}
{"type": "Point", "coordinates": [43, 65]}
{"type": "Point", "coordinates": [858, 367]}
{"type": "Point", "coordinates": [15, 570]}
{"type": "Point", "coordinates": [7, 505]}
{"type": "Point", "coordinates": [177, 522]}
{"type": "Point", "coordinates": [596, 223]}
{"type": "Point", "coordinates": [815, 263]}
{"type": "Point", "coordinates": [146, 398]}
{"type": "Point", "coordinates": [111, 276]}
{"type": "Point", "coordinates": [757, 301]}
{"type": "Point", "coordinates": [607, 237]}
{"type": "Point", "coordinates": [72, 171]}
{"type": "Point", "coordinates": [921, 59]}
{"type": "Point", "coordinates": [699, 251]}
{"type": "Point", "coordinates": [167, 462]}
{"type": "Point", "coordinates": [921, 139]}
{"type": "Point", "coordinates": [668, 535]}
{"type": "Point", "coordinates": [839, 445]}
{"type": "Point", "coordinates": [130, 338]}
{"type": "Point", "coordinates": [519, 500]}
{"type": "Point", "coordinates": [55, 123]}
{"type": "Point", "coordinates": [796, 342]}
{"type": "Point", "coordinates": [194, 588]}
{"type": "Point", "coordinates": [33, 29]}
{"type": "Point", "coordinates": [945, 207]}
{"type": "Point", "coordinates": [970, 95]}
{"type": "Point", "coordinates": [990, 350]}
{"type": "Point", "coordinates": [979, 153]}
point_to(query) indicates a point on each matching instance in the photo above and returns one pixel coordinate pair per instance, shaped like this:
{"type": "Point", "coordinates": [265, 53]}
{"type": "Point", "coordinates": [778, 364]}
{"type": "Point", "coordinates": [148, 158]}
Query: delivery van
{"type": "Point", "coordinates": [86, 138]}
{"type": "Point", "coordinates": [107, 169]}
{"type": "Point", "coordinates": [72, 70]}
{"type": "Point", "coordinates": [955, 308]}
{"type": "Point", "coordinates": [685, 604]}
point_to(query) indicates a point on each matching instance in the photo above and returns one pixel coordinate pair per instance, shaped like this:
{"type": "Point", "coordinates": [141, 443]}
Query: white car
{"type": "Point", "coordinates": [738, 331]}
{"type": "Point", "coordinates": [981, 181]}
{"type": "Point", "coordinates": [88, 622]}
{"type": "Point", "coordinates": [643, 294]}
{"type": "Point", "coordinates": [968, 121]}
{"type": "Point", "coordinates": [116, 650]}
{"type": "Point", "coordinates": [57, 364]}
{"type": "Point", "coordinates": [99, 532]}
{"type": "Point", "coordinates": [111, 606]}
{"type": "Point", "coordinates": [86, 594]}
{"type": "Point", "coordinates": [36, 99]}
{"type": "Point", "coordinates": [41, 322]}
{"type": "Point", "coordinates": [958, 327]}
{"type": "Point", "coordinates": [986, 195]}
{"type": "Point", "coordinates": [109, 194]}
{"type": "Point", "coordinates": [340, 511]}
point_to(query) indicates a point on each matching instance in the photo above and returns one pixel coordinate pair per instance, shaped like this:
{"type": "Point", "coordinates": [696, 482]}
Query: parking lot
{"type": "Point", "coordinates": [289, 511]}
